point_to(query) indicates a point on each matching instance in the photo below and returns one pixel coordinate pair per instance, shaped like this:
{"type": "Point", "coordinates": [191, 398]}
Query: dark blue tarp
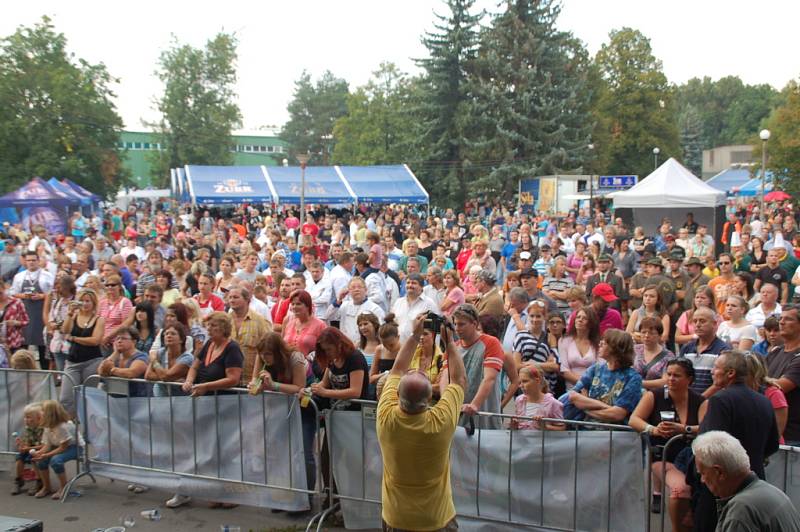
{"type": "Point", "coordinates": [384, 184]}
{"type": "Point", "coordinates": [730, 180]}
{"type": "Point", "coordinates": [323, 185]}
{"type": "Point", "coordinates": [37, 193]}
{"type": "Point", "coordinates": [227, 184]}
{"type": "Point", "coordinates": [753, 186]}
{"type": "Point", "coordinates": [66, 189]}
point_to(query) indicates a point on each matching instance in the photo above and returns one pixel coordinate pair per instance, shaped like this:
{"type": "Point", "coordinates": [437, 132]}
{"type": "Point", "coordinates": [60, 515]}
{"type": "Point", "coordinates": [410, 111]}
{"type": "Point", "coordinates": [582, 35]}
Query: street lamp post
{"type": "Point", "coordinates": [656, 151]}
{"type": "Point", "coordinates": [302, 158]}
{"type": "Point", "coordinates": [591, 183]}
{"type": "Point", "coordinates": [764, 134]}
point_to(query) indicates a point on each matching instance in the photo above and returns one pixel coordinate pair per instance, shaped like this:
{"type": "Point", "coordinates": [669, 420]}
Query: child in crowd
{"type": "Point", "coordinates": [772, 337]}
{"type": "Point", "coordinates": [29, 440]}
{"type": "Point", "coordinates": [60, 440]}
{"type": "Point", "coordinates": [22, 359]}
{"type": "Point", "coordinates": [536, 401]}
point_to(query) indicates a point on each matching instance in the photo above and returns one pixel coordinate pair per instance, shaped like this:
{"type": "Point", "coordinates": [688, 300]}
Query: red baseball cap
{"type": "Point", "coordinates": [604, 291]}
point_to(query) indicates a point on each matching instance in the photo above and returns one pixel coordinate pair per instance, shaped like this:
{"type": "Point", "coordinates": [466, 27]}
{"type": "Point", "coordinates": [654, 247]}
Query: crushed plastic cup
{"type": "Point", "coordinates": [229, 528]}
{"type": "Point", "coordinates": [128, 521]}
{"type": "Point", "coordinates": [152, 515]}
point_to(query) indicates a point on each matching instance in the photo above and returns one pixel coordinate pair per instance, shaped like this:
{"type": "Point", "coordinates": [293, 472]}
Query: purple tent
{"type": "Point", "coordinates": [81, 191]}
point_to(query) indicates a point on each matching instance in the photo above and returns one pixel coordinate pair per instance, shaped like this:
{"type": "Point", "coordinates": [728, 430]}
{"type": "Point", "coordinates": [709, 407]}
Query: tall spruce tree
{"type": "Point", "coordinates": [443, 108]}
{"type": "Point", "coordinates": [531, 99]}
{"type": "Point", "coordinates": [691, 129]}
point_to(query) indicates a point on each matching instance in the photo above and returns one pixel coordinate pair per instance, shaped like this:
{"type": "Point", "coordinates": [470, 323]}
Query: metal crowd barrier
{"type": "Point", "coordinates": [127, 450]}
{"type": "Point", "coordinates": [573, 445]}
{"type": "Point", "coordinates": [37, 385]}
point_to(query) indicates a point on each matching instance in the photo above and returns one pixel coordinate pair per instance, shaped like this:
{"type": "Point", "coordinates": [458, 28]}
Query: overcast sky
{"type": "Point", "coordinates": [277, 40]}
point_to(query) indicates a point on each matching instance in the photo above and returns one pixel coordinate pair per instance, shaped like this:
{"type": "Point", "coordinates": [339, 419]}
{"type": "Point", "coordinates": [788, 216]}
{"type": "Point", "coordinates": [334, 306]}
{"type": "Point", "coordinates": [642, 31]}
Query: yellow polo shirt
{"type": "Point", "coordinates": [416, 491]}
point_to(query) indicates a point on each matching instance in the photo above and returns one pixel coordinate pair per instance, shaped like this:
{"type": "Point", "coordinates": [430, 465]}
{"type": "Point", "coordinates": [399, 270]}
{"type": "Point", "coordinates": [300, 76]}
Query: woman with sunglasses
{"type": "Point", "coordinates": [664, 414]}
{"type": "Point", "coordinates": [114, 309]}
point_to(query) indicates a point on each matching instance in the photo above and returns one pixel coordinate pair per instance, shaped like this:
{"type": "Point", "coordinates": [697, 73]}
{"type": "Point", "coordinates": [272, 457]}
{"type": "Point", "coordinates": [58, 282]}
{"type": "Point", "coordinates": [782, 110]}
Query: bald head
{"type": "Point", "coordinates": [414, 392]}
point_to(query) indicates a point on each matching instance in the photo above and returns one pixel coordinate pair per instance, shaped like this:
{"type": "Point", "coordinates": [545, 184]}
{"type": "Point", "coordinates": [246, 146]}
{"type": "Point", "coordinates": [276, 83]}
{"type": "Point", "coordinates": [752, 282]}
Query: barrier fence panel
{"type": "Point", "coordinates": [19, 388]}
{"type": "Point", "coordinates": [783, 471]}
{"type": "Point", "coordinates": [601, 469]}
{"type": "Point", "coordinates": [231, 447]}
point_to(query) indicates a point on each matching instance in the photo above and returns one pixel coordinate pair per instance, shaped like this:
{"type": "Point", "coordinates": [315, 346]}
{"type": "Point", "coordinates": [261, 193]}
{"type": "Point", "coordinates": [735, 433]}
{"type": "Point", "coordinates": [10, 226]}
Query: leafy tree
{"type": "Point", "coordinates": [784, 142]}
{"type": "Point", "coordinates": [198, 109]}
{"type": "Point", "coordinates": [691, 129]}
{"type": "Point", "coordinates": [313, 112]}
{"type": "Point", "coordinates": [729, 110]}
{"type": "Point", "coordinates": [444, 105]}
{"type": "Point", "coordinates": [530, 109]}
{"type": "Point", "coordinates": [378, 128]}
{"type": "Point", "coordinates": [636, 104]}
{"type": "Point", "coordinates": [57, 117]}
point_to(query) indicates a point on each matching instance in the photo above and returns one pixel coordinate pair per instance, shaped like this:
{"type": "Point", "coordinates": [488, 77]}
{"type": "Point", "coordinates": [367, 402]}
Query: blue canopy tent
{"type": "Point", "coordinates": [730, 180]}
{"type": "Point", "coordinates": [82, 191]}
{"type": "Point", "coordinates": [324, 185]}
{"type": "Point", "coordinates": [384, 184]}
{"type": "Point", "coordinates": [38, 193]}
{"type": "Point", "coordinates": [69, 191]}
{"type": "Point", "coordinates": [753, 186]}
{"type": "Point", "coordinates": [209, 185]}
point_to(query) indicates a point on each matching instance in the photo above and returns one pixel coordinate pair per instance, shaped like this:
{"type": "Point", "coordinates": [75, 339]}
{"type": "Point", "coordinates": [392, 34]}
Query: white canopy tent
{"type": "Point", "coordinates": [671, 191]}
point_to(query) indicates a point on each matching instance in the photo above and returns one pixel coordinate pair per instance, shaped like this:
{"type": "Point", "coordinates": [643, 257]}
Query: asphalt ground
{"type": "Point", "coordinates": [105, 504]}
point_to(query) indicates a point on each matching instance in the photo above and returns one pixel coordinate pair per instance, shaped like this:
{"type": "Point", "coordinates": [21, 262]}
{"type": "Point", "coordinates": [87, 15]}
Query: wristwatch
{"type": "Point", "coordinates": [688, 429]}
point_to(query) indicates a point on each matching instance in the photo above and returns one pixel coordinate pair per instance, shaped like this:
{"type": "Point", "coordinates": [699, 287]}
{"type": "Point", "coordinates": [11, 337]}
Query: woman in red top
{"type": "Point", "coordinates": [303, 328]}
{"type": "Point", "coordinates": [13, 317]}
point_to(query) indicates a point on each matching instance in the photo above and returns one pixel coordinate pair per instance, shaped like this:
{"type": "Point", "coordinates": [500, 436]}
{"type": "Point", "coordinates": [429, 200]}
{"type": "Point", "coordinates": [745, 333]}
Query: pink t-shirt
{"type": "Point", "coordinates": [305, 340]}
{"type": "Point", "coordinates": [377, 256]}
{"type": "Point", "coordinates": [548, 407]}
{"type": "Point", "coordinates": [571, 359]}
{"type": "Point", "coordinates": [114, 313]}
{"type": "Point", "coordinates": [456, 295]}
{"type": "Point", "coordinates": [778, 400]}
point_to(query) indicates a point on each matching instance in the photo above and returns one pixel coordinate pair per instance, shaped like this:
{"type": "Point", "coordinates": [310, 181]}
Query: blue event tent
{"type": "Point", "coordinates": [228, 184]}
{"type": "Point", "coordinates": [38, 193]}
{"type": "Point", "coordinates": [69, 191]}
{"type": "Point", "coordinates": [730, 179]}
{"type": "Point", "coordinates": [753, 186]}
{"type": "Point", "coordinates": [82, 191]}
{"type": "Point", "coordinates": [385, 184]}
{"type": "Point", "coordinates": [324, 184]}
{"type": "Point", "coordinates": [330, 185]}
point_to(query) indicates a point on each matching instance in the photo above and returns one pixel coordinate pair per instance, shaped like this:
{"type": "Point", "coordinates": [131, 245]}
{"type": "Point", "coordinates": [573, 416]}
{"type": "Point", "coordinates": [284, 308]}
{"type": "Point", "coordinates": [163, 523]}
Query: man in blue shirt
{"type": "Point", "coordinates": [508, 251]}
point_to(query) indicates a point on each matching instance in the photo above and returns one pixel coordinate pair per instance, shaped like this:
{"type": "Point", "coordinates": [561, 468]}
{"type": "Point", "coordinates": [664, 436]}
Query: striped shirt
{"type": "Point", "coordinates": [532, 349]}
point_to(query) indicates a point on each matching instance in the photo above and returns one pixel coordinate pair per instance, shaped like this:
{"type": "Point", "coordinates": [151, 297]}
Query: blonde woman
{"type": "Point", "coordinates": [83, 329]}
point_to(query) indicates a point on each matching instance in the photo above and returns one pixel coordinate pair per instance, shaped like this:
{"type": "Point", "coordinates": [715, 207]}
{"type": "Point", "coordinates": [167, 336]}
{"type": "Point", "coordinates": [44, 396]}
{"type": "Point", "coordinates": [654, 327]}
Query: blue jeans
{"type": "Point", "coordinates": [61, 359]}
{"type": "Point", "coordinates": [57, 462]}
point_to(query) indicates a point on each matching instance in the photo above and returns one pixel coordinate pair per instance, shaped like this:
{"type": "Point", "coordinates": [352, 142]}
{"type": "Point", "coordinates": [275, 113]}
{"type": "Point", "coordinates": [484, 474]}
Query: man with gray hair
{"type": "Point", "coordinates": [745, 501]}
{"type": "Point", "coordinates": [415, 439]}
{"type": "Point", "coordinates": [743, 413]}
{"type": "Point", "coordinates": [518, 303]}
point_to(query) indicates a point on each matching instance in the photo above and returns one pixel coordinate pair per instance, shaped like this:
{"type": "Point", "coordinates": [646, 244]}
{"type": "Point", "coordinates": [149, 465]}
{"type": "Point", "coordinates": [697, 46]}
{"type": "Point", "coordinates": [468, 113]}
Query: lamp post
{"type": "Point", "coordinates": [764, 134]}
{"type": "Point", "coordinates": [590, 147]}
{"type": "Point", "coordinates": [302, 158]}
{"type": "Point", "coordinates": [656, 151]}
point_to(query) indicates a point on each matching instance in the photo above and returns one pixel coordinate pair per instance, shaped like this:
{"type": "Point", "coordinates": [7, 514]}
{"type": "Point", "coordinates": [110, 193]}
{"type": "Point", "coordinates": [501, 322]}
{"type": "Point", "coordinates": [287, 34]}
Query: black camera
{"type": "Point", "coordinates": [433, 322]}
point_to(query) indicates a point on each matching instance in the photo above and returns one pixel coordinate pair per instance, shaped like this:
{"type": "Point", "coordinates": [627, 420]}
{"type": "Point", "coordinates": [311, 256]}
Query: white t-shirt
{"type": "Point", "coordinates": [733, 335]}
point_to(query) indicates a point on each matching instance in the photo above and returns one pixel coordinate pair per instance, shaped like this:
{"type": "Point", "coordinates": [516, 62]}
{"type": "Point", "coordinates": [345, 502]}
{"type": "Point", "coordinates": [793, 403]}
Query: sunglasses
{"type": "Point", "coordinates": [108, 285]}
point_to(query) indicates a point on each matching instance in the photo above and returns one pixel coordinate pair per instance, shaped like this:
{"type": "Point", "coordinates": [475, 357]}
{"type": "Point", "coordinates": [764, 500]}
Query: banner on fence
{"type": "Point", "coordinates": [229, 448]}
{"type": "Point", "coordinates": [541, 489]}
{"type": "Point", "coordinates": [20, 388]}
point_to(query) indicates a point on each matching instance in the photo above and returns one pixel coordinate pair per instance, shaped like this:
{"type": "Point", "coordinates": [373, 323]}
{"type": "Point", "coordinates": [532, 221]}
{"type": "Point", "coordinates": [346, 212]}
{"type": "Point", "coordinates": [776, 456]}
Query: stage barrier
{"type": "Point", "coordinates": [589, 479]}
{"type": "Point", "coordinates": [19, 388]}
{"type": "Point", "coordinates": [227, 447]}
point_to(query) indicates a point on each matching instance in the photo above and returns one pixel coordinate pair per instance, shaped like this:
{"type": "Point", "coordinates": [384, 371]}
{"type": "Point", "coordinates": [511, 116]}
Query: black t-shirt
{"type": "Point", "coordinates": [775, 276]}
{"type": "Point", "coordinates": [231, 357]}
{"type": "Point", "coordinates": [339, 378]}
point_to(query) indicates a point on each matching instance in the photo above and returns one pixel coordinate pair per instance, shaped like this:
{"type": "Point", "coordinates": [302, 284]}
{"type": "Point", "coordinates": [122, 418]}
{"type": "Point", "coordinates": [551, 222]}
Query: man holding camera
{"type": "Point", "coordinates": [415, 438]}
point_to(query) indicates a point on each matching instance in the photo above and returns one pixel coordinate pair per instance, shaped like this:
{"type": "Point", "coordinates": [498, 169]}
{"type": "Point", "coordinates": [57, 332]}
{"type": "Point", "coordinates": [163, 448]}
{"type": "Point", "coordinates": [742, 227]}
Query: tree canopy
{"type": "Point", "coordinates": [198, 108]}
{"type": "Point", "coordinates": [57, 116]}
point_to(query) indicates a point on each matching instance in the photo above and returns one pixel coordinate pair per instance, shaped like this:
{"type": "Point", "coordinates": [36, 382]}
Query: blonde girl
{"type": "Point", "coordinates": [60, 440]}
{"type": "Point", "coordinates": [536, 401]}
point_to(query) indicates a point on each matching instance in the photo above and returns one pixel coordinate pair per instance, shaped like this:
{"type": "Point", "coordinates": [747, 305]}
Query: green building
{"type": "Point", "coordinates": [249, 148]}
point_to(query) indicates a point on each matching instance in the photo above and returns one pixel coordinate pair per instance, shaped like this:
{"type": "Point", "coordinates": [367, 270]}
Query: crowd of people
{"type": "Point", "coordinates": [572, 318]}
